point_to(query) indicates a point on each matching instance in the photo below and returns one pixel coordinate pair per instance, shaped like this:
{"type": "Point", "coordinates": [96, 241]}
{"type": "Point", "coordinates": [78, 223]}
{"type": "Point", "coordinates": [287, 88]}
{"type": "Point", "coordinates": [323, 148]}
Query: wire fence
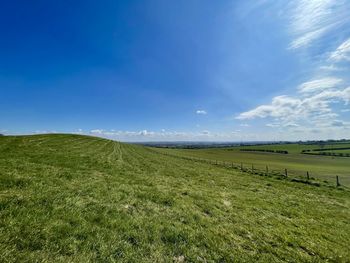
{"type": "Point", "coordinates": [265, 170]}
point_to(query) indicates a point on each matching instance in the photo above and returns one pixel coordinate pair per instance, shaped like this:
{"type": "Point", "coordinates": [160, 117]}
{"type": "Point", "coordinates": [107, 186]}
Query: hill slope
{"type": "Point", "coordinates": [79, 199]}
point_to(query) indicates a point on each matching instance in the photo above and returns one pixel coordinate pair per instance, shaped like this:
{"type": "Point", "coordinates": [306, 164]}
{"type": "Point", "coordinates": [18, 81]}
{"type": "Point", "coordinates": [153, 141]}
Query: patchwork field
{"type": "Point", "coordinates": [298, 164]}
{"type": "Point", "coordinates": [70, 198]}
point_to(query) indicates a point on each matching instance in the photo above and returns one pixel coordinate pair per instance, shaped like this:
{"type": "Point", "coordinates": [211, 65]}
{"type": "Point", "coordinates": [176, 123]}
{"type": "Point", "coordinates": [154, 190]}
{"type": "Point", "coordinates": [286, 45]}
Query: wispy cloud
{"type": "Point", "coordinates": [342, 52]}
{"type": "Point", "coordinates": [319, 85]}
{"type": "Point", "coordinates": [306, 38]}
{"type": "Point", "coordinates": [332, 68]}
{"type": "Point", "coordinates": [201, 112]}
{"type": "Point", "coordinates": [312, 19]}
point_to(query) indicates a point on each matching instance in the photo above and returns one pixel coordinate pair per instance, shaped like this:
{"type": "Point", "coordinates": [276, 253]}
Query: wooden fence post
{"type": "Point", "coordinates": [267, 169]}
{"type": "Point", "coordinates": [232, 164]}
{"type": "Point", "coordinates": [252, 168]}
{"type": "Point", "coordinates": [241, 166]}
{"type": "Point", "coordinates": [307, 175]}
{"type": "Point", "coordinates": [337, 178]}
{"type": "Point", "coordinates": [286, 172]}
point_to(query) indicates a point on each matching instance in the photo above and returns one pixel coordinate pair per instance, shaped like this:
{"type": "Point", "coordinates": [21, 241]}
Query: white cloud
{"type": "Point", "coordinates": [280, 106]}
{"type": "Point", "coordinates": [312, 110]}
{"type": "Point", "coordinates": [319, 85]}
{"type": "Point", "coordinates": [144, 133]}
{"type": "Point", "coordinates": [202, 112]}
{"type": "Point", "coordinates": [97, 131]}
{"type": "Point", "coordinates": [342, 52]}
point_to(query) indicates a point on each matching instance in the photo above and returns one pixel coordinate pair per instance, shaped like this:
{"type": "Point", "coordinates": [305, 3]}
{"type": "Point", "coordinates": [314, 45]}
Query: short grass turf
{"type": "Point", "coordinates": [70, 198]}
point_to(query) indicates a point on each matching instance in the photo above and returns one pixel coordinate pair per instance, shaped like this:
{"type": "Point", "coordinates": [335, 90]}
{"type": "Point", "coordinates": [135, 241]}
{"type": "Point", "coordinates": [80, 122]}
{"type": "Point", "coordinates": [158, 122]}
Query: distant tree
{"type": "Point", "coordinates": [2, 134]}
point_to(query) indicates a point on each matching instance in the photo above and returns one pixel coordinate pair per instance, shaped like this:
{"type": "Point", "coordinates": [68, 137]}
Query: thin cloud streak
{"type": "Point", "coordinates": [319, 85]}
{"type": "Point", "coordinates": [312, 19]}
{"type": "Point", "coordinates": [342, 52]}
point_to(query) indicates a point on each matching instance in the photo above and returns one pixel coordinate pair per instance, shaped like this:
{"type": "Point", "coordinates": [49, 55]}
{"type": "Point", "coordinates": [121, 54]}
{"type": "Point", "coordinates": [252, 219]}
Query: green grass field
{"type": "Point", "coordinates": [297, 164]}
{"type": "Point", "coordinates": [70, 198]}
{"type": "Point", "coordinates": [338, 151]}
{"type": "Point", "coordinates": [294, 148]}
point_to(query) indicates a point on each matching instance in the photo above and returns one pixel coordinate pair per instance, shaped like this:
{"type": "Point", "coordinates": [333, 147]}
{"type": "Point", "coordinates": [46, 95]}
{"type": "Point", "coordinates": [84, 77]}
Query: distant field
{"type": "Point", "coordinates": [321, 167]}
{"type": "Point", "coordinates": [339, 151]}
{"type": "Point", "coordinates": [71, 198]}
{"type": "Point", "coordinates": [295, 148]}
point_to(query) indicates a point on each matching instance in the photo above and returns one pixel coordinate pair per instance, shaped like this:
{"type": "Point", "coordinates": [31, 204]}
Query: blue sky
{"type": "Point", "coordinates": [176, 70]}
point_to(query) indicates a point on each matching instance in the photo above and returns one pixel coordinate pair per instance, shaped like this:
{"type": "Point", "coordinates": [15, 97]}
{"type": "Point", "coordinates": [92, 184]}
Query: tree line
{"type": "Point", "coordinates": [264, 150]}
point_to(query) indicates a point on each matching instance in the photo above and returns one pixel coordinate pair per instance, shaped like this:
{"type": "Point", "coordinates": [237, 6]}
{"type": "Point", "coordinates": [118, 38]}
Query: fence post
{"type": "Point", "coordinates": [267, 169]}
{"type": "Point", "coordinates": [241, 166]}
{"type": "Point", "coordinates": [307, 175]}
{"type": "Point", "coordinates": [286, 172]}
{"type": "Point", "coordinates": [337, 178]}
{"type": "Point", "coordinates": [232, 164]}
{"type": "Point", "coordinates": [252, 168]}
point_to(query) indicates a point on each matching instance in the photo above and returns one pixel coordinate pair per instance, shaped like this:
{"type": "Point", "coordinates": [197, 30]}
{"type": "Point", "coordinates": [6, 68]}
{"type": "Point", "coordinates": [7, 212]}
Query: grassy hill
{"type": "Point", "coordinates": [70, 198]}
{"type": "Point", "coordinates": [321, 167]}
